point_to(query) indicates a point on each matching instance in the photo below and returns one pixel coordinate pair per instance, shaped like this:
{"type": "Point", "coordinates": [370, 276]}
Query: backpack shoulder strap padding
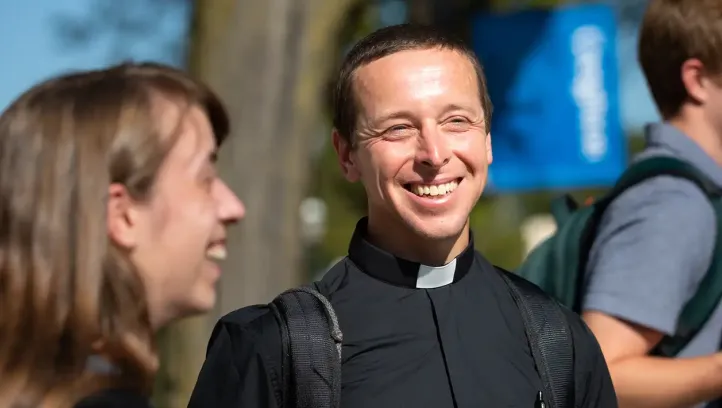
{"type": "Point", "coordinates": [549, 337]}
{"type": "Point", "coordinates": [311, 339]}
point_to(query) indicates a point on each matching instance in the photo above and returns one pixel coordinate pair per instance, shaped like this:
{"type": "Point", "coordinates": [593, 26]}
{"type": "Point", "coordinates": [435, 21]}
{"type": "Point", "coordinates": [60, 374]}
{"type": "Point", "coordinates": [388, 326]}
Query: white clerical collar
{"type": "Point", "coordinates": [430, 277]}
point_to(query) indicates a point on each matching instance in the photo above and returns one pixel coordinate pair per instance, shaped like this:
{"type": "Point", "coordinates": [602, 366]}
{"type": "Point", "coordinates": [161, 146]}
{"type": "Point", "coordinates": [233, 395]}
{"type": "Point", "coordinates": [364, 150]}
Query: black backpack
{"type": "Point", "coordinates": [312, 339]}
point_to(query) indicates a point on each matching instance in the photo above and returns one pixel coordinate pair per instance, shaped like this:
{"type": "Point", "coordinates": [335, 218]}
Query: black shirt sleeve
{"type": "Point", "coordinates": [594, 387]}
{"type": "Point", "coordinates": [238, 370]}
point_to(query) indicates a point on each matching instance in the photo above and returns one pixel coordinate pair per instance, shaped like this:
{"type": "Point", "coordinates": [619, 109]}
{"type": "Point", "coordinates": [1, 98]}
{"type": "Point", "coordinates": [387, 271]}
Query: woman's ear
{"type": "Point", "coordinates": [121, 217]}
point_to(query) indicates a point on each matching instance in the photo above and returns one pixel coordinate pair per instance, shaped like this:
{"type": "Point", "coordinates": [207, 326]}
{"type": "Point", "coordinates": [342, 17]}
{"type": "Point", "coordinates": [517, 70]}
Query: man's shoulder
{"type": "Point", "coordinates": [245, 316]}
{"type": "Point", "coordinates": [661, 214]}
{"type": "Point", "coordinates": [242, 360]}
{"type": "Point", "coordinates": [663, 191]}
{"type": "Point", "coordinates": [335, 276]}
{"type": "Point", "coordinates": [646, 209]}
{"type": "Point", "coordinates": [250, 327]}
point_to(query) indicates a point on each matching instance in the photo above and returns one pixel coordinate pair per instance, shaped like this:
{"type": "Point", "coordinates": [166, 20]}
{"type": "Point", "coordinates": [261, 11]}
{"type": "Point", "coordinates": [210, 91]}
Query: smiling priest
{"type": "Point", "coordinates": [427, 321]}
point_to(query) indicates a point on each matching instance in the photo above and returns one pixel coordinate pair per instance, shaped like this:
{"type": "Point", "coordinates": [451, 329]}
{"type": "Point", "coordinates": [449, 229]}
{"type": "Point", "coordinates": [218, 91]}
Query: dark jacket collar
{"type": "Point", "coordinates": [392, 269]}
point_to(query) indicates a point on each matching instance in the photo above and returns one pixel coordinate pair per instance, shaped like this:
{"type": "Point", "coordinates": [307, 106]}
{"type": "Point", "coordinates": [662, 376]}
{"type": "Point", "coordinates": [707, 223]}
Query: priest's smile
{"type": "Point", "coordinates": [433, 194]}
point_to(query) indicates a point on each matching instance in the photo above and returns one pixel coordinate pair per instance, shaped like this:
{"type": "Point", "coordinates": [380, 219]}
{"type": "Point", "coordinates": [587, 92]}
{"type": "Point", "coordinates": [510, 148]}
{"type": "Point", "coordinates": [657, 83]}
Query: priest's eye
{"type": "Point", "coordinates": [457, 124]}
{"type": "Point", "coordinates": [398, 128]}
{"type": "Point", "coordinates": [399, 131]}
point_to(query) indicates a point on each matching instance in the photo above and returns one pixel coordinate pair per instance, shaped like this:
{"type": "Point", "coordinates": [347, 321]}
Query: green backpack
{"type": "Point", "coordinates": [558, 264]}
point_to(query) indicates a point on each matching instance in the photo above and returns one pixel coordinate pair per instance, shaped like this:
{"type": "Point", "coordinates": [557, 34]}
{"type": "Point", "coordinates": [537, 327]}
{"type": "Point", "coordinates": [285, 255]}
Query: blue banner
{"type": "Point", "coordinates": [553, 79]}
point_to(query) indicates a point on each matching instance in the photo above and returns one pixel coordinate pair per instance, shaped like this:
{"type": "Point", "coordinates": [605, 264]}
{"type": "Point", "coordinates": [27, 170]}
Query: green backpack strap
{"type": "Point", "coordinates": [700, 307]}
{"type": "Point", "coordinates": [661, 166]}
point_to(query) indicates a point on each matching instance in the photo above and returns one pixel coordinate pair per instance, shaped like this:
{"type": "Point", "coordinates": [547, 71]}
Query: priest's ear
{"type": "Point", "coordinates": [345, 155]}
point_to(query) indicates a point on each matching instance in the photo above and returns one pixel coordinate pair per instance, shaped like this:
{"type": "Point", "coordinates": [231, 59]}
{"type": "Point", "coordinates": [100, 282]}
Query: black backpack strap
{"type": "Point", "coordinates": [311, 339]}
{"type": "Point", "coordinates": [550, 340]}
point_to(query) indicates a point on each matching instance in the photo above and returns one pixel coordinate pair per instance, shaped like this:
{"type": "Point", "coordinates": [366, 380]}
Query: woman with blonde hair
{"type": "Point", "coordinates": [112, 220]}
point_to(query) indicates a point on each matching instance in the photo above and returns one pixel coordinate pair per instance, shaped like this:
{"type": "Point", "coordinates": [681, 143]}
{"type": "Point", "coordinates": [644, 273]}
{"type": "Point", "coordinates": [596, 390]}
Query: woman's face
{"type": "Point", "coordinates": [176, 237]}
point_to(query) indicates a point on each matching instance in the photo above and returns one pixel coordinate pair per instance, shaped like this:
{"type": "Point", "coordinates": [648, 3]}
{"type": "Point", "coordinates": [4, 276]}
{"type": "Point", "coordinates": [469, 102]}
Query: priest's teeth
{"type": "Point", "coordinates": [216, 252]}
{"type": "Point", "coordinates": [434, 190]}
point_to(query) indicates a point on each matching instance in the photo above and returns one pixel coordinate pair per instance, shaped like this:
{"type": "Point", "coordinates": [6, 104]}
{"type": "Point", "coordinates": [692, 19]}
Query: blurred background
{"type": "Point", "coordinates": [570, 107]}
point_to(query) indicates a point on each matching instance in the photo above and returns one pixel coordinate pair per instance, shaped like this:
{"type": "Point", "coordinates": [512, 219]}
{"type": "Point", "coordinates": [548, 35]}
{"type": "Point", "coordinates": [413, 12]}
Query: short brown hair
{"type": "Point", "coordinates": [66, 291]}
{"type": "Point", "coordinates": [672, 32]}
{"type": "Point", "coordinates": [387, 41]}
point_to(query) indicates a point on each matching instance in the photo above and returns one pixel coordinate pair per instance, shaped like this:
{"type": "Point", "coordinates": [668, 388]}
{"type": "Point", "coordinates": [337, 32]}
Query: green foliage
{"type": "Point", "coordinates": [496, 232]}
{"type": "Point", "coordinates": [346, 204]}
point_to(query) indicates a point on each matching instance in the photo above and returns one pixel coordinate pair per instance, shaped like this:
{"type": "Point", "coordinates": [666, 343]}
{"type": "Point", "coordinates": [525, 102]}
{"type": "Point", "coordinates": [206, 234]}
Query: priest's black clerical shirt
{"type": "Point", "coordinates": [414, 336]}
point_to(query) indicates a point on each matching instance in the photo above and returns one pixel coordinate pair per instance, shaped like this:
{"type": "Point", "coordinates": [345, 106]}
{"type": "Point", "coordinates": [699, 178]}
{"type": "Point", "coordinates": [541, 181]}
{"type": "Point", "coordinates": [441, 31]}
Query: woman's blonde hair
{"type": "Point", "coordinates": [66, 291]}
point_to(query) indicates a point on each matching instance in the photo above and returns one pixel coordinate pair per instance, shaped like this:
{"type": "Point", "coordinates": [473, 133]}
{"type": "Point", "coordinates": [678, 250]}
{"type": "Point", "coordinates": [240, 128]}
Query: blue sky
{"type": "Point", "coordinates": [41, 38]}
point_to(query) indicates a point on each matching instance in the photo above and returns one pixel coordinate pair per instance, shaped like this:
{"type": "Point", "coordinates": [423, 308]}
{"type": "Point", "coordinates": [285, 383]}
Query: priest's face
{"type": "Point", "coordinates": [420, 147]}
